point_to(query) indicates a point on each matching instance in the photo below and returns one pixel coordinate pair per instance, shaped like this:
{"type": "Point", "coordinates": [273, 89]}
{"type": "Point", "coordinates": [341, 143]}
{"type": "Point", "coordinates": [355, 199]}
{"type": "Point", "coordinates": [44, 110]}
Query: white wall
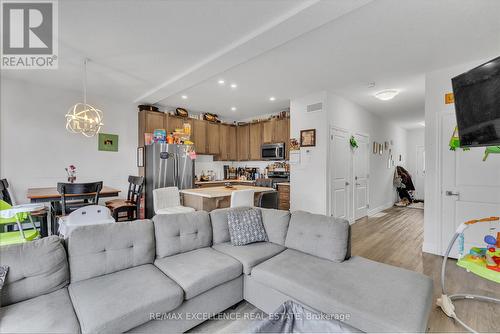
{"type": "Point", "coordinates": [416, 137]}
{"type": "Point", "coordinates": [350, 116]}
{"type": "Point", "coordinates": [309, 179]}
{"type": "Point", "coordinates": [35, 146]}
{"type": "Point", "coordinates": [437, 84]}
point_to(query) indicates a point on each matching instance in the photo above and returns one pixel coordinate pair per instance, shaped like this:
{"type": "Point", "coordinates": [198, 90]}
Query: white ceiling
{"type": "Point", "coordinates": [156, 51]}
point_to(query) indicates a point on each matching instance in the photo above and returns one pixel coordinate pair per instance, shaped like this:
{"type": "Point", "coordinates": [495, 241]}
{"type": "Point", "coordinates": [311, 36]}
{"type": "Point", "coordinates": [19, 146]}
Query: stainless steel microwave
{"type": "Point", "coordinates": [274, 151]}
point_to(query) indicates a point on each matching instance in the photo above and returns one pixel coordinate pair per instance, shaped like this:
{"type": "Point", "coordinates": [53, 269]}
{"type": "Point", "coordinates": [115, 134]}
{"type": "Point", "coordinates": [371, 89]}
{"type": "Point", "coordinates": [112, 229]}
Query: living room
{"type": "Point", "coordinates": [328, 128]}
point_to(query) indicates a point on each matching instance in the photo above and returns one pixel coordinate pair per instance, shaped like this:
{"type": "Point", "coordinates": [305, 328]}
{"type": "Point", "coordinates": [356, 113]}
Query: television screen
{"type": "Point", "coordinates": [477, 105]}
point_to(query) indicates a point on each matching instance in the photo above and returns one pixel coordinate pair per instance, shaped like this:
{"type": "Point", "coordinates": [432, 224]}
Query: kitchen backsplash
{"type": "Point", "coordinates": [204, 163]}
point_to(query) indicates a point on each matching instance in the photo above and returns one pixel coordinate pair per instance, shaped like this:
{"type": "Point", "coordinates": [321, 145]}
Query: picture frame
{"type": "Point", "coordinates": [308, 138]}
{"type": "Point", "coordinates": [107, 142]}
{"type": "Point", "coordinates": [140, 157]}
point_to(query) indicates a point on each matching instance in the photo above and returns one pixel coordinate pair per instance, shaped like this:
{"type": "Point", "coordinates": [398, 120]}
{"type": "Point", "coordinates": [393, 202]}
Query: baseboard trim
{"type": "Point", "coordinates": [380, 208]}
{"type": "Point", "coordinates": [430, 248]}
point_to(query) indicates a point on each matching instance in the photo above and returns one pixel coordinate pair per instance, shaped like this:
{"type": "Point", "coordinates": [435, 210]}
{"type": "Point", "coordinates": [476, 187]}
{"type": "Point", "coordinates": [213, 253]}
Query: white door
{"type": "Point", "coordinates": [340, 156]}
{"type": "Point", "coordinates": [470, 188]}
{"type": "Point", "coordinates": [361, 171]}
{"type": "Point", "coordinates": [420, 173]}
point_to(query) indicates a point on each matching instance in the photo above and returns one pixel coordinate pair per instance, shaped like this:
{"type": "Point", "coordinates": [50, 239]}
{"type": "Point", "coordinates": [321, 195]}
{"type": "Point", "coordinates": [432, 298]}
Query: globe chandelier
{"type": "Point", "coordinates": [82, 117]}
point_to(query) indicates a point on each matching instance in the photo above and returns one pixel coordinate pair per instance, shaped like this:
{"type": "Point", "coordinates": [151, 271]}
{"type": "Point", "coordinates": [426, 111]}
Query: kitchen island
{"type": "Point", "coordinates": [212, 198]}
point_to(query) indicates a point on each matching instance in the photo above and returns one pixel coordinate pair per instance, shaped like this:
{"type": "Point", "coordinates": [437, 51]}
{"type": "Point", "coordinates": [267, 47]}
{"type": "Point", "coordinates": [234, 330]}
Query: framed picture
{"type": "Point", "coordinates": [140, 157]}
{"type": "Point", "coordinates": [308, 138]}
{"type": "Point", "coordinates": [108, 142]}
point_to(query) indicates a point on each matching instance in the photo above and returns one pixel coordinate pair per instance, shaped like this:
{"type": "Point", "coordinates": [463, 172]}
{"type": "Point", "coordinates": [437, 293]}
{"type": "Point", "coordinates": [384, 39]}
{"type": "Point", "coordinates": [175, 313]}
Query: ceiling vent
{"type": "Point", "coordinates": [315, 107]}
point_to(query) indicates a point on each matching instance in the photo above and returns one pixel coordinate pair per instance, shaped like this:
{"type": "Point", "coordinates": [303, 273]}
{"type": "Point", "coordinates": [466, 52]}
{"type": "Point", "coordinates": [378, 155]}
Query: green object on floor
{"type": "Point", "coordinates": [15, 237]}
{"type": "Point", "coordinates": [492, 150]}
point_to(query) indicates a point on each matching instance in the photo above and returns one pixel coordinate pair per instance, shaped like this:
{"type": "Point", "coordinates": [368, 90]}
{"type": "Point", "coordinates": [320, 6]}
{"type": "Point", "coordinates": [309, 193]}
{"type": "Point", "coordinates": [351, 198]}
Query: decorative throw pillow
{"type": "Point", "coordinates": [3, 277]}
{"type": "Point", "coordinates": [245, 226]}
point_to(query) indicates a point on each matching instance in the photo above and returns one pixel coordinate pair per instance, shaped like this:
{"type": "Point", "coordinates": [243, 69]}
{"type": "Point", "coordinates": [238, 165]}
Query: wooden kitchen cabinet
{"type": "Point", "coordinates": [268, 131]}
{"type": "Point", "coordinates": [148, 122]}
{"type": "Point", "coordinates": [199, 136]}
{"type": "Point", "coordinates": [243, 140]}
{"type": "Point", "coordinates": [283, 196]}
{"type": "Point", "coordinates": [232, 144]}
{"type": "Point", "coordinates": [282, 130]}
{"type": "Point", "coordinates": [175, 122]}
{"type": "Point", "coordinates": [213, 138]}
{"type": "Point", "coordinates": [255, 141]}
{"type": "Point", "coordinates": [224, 142]}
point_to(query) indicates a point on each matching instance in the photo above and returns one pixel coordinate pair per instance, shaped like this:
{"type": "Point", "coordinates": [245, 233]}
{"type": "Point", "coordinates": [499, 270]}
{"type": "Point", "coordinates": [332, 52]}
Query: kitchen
{"type": "Point", "coordinates": [223, 153]}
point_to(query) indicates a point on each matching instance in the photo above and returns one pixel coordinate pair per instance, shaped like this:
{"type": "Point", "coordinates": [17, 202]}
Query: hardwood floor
{"type": "Point", "coordinates": [396, 239]}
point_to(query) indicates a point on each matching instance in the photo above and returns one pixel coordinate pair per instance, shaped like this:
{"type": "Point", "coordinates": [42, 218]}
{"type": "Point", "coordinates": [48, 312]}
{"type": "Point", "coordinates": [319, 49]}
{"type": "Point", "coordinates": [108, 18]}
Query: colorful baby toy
{"type": "Point", "coordinates": [482, 261]}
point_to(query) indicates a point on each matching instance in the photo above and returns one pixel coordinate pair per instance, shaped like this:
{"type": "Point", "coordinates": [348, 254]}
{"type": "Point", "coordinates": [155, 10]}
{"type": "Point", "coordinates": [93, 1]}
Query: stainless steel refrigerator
{"type": "Point", "coordinates": [166, 165]}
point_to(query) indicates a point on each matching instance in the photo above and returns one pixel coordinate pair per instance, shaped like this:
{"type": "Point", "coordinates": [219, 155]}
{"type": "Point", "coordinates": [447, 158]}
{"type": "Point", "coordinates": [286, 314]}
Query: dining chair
{"type": "Point", "coordinates": [268, 200]}
{"type": "Point", "coordinates": [241, 198]}
{"type": "Point", "coordinates": [5, 194]}
{"type": "Point", "coordinates": [83, 193]}
{"type": "Point", "coordinates": [168, 201]}
{"type": "Point", "coordinates": [131, 205]}
{"type": "Point", "coordinates": [264, 183]}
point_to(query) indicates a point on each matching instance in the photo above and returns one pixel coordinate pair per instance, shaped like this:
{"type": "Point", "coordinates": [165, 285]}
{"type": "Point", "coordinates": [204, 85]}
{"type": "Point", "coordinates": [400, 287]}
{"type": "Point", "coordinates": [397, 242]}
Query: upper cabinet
{"type": "Point", "coordinates": [243, 140]}
{"type": "Point", "coordinates": [148, 122]}
{"type": "Point", "coordinates": [176, 122]}
{"type": "Point", "coordinates": [213, 138]}
{"type": "Point", "coordinates": [232, 144]}
{"type": "Point", "coordinates": [255, 141]}
{"type": "Point", "coordinates": [199, 136]}
{"type": "Point", "coordinates": [268, 131]}
{"type": "Point", "coordinates": [276, 130]}
{"type": "Point", "coordinates": [227, 143]}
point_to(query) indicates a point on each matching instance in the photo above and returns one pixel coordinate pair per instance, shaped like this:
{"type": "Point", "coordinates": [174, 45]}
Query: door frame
{"type": "Point", "coordinates": [417, 167]}
{"type": "Point", "coordinates": [353, 181]}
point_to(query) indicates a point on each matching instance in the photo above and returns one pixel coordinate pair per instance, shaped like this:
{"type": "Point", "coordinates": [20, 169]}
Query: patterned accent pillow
{"type": "Point", "coordinates": [3, 277]}
{"type": "Point", "coordinates": [245, 226]}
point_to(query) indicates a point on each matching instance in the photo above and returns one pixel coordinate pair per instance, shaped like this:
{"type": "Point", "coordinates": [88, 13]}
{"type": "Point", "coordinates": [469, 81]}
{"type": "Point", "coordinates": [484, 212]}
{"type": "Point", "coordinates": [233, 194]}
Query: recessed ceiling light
{"type": "Point", "coordinates": [184, 97]}
{"type": "Point", "coordinates": [233, 108]}
{"type": "Point", "coordinates": [387, 94]}
{"type": "Point", "coordinates": [422, 124]}
{"type": "Point", "coordinates": [221, 82]}
{"type": "Point", "coordinates": [233, 85]}
{"type": "Point", "coordinates": [272, 98]}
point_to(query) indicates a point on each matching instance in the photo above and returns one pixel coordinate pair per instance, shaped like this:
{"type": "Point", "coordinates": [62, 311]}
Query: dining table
{"type": "Point", "coordinates": [50, 195]}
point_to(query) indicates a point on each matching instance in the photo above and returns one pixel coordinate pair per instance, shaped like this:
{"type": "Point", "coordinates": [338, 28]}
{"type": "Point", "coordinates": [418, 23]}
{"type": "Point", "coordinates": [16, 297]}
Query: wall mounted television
{"type": "Point", "coordinates": [477, 105]}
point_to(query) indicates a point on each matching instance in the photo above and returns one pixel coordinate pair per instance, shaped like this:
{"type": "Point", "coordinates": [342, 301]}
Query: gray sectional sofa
{"type": "Point", "coordinates": [172, 273]}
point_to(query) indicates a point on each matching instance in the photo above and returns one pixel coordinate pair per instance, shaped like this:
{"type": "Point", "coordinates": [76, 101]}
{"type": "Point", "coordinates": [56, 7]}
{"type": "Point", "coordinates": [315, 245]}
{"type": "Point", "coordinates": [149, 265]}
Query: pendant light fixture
{"type": "Point", "coordinates": [82, 117]}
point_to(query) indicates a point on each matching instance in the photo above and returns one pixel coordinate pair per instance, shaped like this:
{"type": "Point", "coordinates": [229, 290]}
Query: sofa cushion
{"type": "Point", "coordinates": [276, 224]}
{"type": "Point", "coordinates": [122, 300]}
{"type": "Point", "coordinates": [377, 297]}
{"type": "Point", "coordinates": [179, 233]}
{"type": "Point", "coordinates": [199, 270]}
{"type": "Point", "coordinates": [318, 235]}
{"type": "Point", "coordinates": [35, 268]}
{"type": "Point", "coordinates": [250, 255]}
{"type": "Point", "coordinates": [50, 313]}
{"type": "Point", "coordinates": [220, 228]}
{"type": "Point", "coordinates": [245, 226]}
{"type": "Point", "coordinates": [97, 250]}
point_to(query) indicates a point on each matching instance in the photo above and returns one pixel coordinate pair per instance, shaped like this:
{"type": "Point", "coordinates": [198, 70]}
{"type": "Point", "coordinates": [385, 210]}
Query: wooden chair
{"type": "Point", "coordinates": [132, 204]}
{"type": "Point", "coordinates": [83, 193]}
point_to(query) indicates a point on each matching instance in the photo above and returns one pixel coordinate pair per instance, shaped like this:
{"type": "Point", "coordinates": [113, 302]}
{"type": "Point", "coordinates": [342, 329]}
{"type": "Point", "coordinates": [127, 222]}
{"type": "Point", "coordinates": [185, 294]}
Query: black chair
{"type": "Point", "coordinates": [264, 183]}
{"type": "Point", "coordinates": [132, 204]}
{"type": "Point", "coordinates": [268, 200]}
{"type": "Point", "coordinates": [82, 194]}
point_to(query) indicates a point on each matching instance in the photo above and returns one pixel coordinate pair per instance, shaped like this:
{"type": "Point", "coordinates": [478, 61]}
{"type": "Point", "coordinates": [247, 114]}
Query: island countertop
{"type": "Point", "coordinates": [217, 192]}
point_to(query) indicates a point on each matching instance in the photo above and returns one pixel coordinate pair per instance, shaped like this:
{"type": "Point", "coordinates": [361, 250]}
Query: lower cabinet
{"type": "Point", "coordinates": [284, 196]}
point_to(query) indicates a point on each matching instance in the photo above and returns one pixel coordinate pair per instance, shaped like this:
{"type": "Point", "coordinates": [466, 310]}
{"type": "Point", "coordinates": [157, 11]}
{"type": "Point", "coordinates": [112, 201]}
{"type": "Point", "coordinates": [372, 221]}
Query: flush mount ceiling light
{"type": "Point", "coordinates": [233, 108]}
{"type": "Point", "coordinates": [233, 85]}
{"type": "Point", "coordinates": [221, 82]}
{"type": "Point", "coordinates": [272, 98]}
{"type": "Point", "coordinates": [184, 97]}
{"type": "Point", "coordinates": [82, 117]}
{"type": "Point", "coordinates": [387, 94]}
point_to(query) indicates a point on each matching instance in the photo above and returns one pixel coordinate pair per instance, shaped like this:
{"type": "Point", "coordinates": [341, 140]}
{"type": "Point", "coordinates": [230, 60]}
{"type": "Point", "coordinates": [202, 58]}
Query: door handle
{"type": "Point", "coordinates": [358, 184]}
{"type": "Point", "coordinates": [347, 183]}
{"type": "Point", "coordinates": [451, 193]}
